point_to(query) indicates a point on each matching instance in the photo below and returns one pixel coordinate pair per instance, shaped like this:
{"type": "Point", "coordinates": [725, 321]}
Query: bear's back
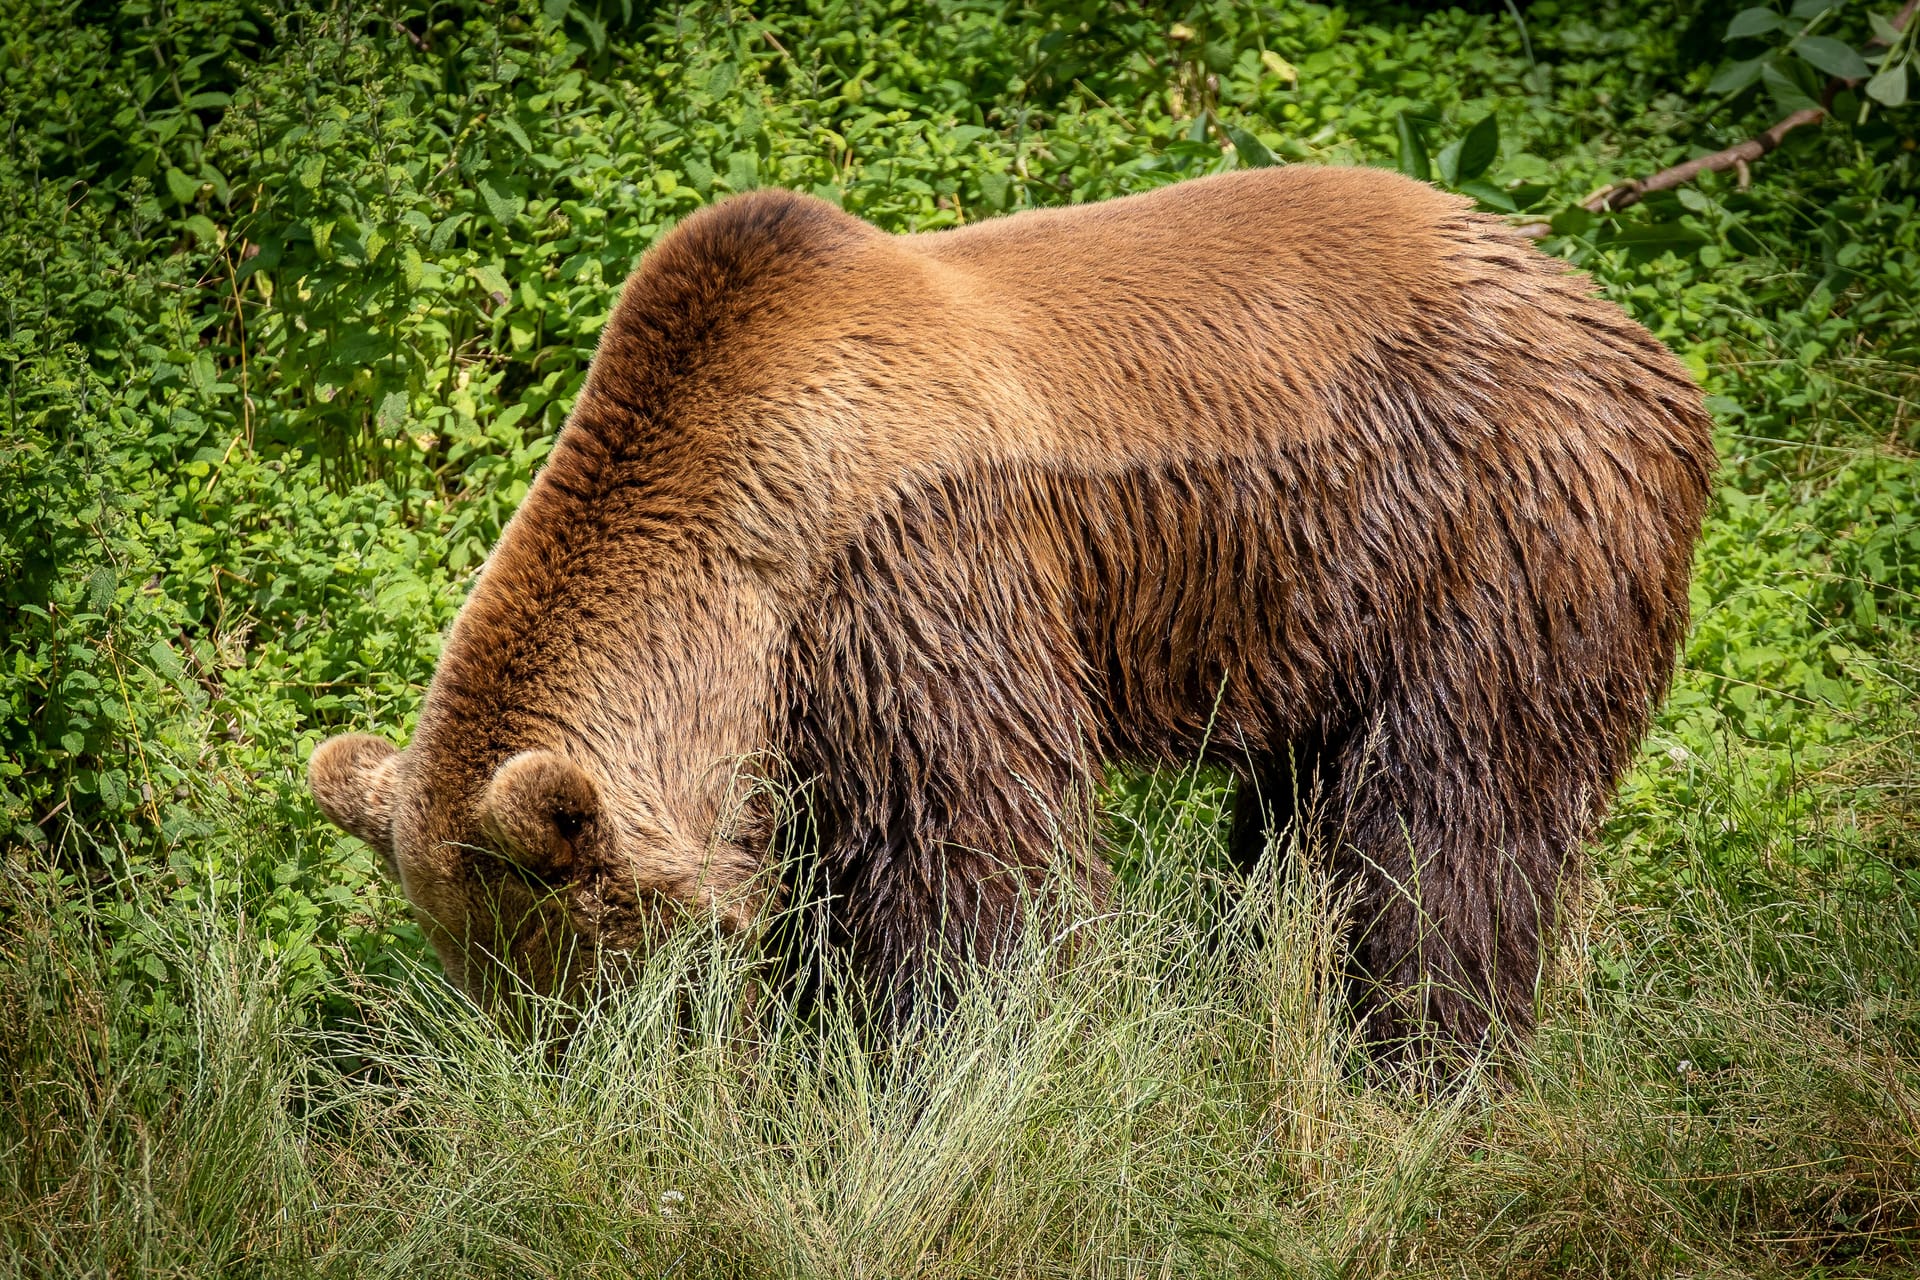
{"type": "Point", "coordinates": [1335, 243]}
{"type": "Point", "coordinates": [1291, 306]}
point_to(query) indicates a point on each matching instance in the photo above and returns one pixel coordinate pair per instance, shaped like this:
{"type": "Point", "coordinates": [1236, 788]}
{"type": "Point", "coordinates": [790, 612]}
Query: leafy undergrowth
{"type": "Point", "coordinates": [294, 299]}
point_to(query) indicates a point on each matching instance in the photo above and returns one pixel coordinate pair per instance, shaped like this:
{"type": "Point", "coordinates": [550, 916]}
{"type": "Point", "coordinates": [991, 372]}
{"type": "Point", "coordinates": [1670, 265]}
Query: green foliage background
{"type": "Point", "coordinates": [296, 298]}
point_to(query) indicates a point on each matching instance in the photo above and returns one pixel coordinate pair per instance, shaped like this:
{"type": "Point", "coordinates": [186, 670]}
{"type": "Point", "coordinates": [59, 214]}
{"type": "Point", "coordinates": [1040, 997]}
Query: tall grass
{"type": "Point", "coordinates": [1724, 1084]}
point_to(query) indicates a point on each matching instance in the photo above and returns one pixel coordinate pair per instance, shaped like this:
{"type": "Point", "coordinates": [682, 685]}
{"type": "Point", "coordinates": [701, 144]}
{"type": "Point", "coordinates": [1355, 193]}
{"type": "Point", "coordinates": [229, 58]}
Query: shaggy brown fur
{"type": "Point", "coordinates": [1316, 457]}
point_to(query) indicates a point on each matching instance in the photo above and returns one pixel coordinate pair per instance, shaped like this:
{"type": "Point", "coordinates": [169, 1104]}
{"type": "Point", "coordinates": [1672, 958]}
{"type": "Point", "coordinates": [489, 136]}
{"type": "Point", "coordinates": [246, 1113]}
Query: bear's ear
{"type": "Point", "coordinates": [541, 810]}
{"type": "Point", "coordinates": [352, 778]}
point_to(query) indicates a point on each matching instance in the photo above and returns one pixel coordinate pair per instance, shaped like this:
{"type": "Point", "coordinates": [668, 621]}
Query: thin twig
{"type": "Point", "coordinates": [419, 42]}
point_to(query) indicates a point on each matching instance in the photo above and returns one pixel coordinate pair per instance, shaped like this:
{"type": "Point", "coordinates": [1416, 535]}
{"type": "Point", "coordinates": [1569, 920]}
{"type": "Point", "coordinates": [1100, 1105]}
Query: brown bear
{"type": "Point", "coordinates": [1311, 471]}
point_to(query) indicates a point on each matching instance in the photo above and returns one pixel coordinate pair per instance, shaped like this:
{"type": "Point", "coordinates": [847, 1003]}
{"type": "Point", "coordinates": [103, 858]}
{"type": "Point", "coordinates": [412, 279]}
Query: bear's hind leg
{"type": "Point", "coordinates": [1455, 827]}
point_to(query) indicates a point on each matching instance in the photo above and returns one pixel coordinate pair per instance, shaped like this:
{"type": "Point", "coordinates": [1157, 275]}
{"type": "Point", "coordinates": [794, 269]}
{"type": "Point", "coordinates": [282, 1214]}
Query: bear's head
{"type": "Point", "coordinates": [534, 874]}
{"type": "Point", "coordinates": [574, 787]}
{"type": "Point", "coordinates": [576, 783]}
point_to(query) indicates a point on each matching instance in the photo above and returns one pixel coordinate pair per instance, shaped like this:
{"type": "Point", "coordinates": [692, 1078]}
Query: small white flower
{"type": "Point", "coordinates": [1679, 754]}
{"type": "Point", "coordinates": [670, 1202]}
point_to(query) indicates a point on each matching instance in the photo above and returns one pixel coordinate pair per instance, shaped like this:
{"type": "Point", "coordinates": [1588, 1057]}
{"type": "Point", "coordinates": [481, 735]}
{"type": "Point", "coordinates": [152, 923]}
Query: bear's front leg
{"type": "Point", "coordinates": [940, 832]}
{"type": "Point", "coordinates": [917, 911]}
{"type": "Point", "coordinates": [935, 709]}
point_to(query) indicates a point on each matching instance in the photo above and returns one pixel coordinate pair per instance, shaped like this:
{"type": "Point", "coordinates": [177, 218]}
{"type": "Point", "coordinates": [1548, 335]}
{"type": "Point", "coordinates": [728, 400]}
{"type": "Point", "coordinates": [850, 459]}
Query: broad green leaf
{"type": "Point", "coordinates": [503, 201]}
{"type": "Point", "coordinates": [1489, 195]}
{"type": "Point", "coordinates": [1528, 194]}
{"type": "Point", "coordinates": [1804, 9]}
{"type": "Point", "coordinates": [203, 229]}
{"type": "Point", "coordinates": [1479, 149]}
{"type": "Point", "coordinates": [1889, 85]}
{"type": "Point", "coordinates": [699, 173]}
{"type": "Point", "coordinates": [181, 186]}
{"type": "Point", "coordinates": [595, 29]}
{"type": "Point", "coordinates": [1883, 29]}
{"type": "Point", "coordinates": [113, 788]}
{"type": "Point", "coordinates": [995, 189]}
{"type": "Point", "coordinates": [492, 280]}
{"type": "Point", "coordinates": [164, 659]}
{"type": "Point", "coordinates": [1736, 76]}
{"type": "Point", "coordinates": [1787, 93]}
{"type": "Point", "coordinates": [743, 170]}
{"type": "Point", "coordinates": [100, 588]}
{"type": "Point", "coordinates": [1754, 22]}
{"type": "Point", "coordinates": [444, 233]}
{"type": "Point", "coordinates": [1253, 153]}
{"type": "Point", "coordinates": [511, 127]}
{"type": "Point", "coordinates": [1833, 57]}
{"type": "Point", "coordinates": [1414, 161]}
{"type": "Point", "coordinates": [392, 414]}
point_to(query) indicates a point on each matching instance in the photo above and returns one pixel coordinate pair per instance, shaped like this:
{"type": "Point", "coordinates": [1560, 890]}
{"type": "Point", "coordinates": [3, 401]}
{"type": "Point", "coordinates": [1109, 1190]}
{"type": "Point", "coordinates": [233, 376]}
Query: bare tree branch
{"type": "Point", "coordinates": [1631, 193]}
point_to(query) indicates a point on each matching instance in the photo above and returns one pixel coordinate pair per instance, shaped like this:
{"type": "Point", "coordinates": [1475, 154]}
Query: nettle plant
{"type": "Point", "coordinates": [1807, 68]}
